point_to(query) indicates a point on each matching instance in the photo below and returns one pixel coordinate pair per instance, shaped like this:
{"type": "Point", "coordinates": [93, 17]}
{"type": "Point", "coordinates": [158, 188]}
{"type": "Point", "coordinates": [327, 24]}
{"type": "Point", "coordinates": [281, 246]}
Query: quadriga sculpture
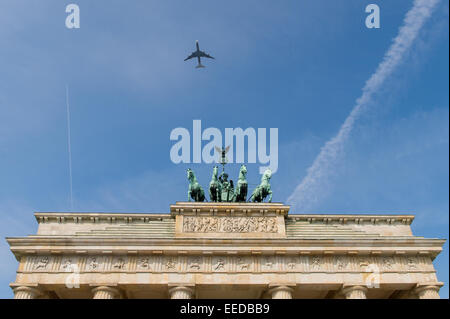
{"type": "Point", "coordinates": [195, 191]}
{"type": "Point", "coordinates": [222, 190]}
{"type": "Point", "coordinates": [263, 190]}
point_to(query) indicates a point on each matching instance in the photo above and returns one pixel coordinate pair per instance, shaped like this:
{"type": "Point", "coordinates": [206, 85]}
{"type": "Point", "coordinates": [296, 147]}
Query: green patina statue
{"type": "Point", "coordinates": [222, 190]}
{"type": "Point", "coordinates": [240, 194]}
{"type": "Point", "coordinates": [263, 190]}
{"type": "Point", "coordinates": [227, 188]}
{"type": "Point", "coordinates": [215, 187]}
{"type": "Point", "coordinates": [195, 190]}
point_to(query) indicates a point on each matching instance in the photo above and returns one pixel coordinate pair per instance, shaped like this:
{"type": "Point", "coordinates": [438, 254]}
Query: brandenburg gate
{"type": "Point", "coordinates": [224, 250]}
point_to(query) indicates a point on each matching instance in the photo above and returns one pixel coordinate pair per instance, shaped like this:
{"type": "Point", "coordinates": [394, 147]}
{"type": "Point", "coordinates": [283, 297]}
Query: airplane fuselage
{"type": "Point", "coordinates": [198, 54]}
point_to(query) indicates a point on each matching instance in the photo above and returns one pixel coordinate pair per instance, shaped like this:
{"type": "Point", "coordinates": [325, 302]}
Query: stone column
{"type": "Point", "coordinates": [181, 292]}
{"type": "Point", "coordinates": [354, 292]}
{"type": "Point", "coordinates": [428, 291]}
{"type": "Point", "coordinates": [281, 292]}
{"type": "Point", "coordinates": [105, 292]}
{"type": "Point", "coordinates": [24, 292]}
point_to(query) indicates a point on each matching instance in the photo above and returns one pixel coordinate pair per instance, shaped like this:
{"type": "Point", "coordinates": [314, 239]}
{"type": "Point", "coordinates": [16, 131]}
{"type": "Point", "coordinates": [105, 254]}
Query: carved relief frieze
{"type": "Point", "coordinates": [387, 263]}
{"type": "Point", "coordinates": [268, 263]}
{"type": "Point", "coordinates": [170, 263]}
{"type": "Point", "coordinates": [411, 263]}
{"type": "Point", "coordinates": [69, 264]}
{"type": "Point", "coordinates": [363, 263]}
{"type": "Point", "coordinates": [144, 263]}
{"type": "Point", "coordinates": [41, 263]}
{"type": "Point", "coordinates": [195, 263]}
{"type": "Point", "coordinates": [228, 263]}
{"type": "Point", "coordinates": [94, 264]}
{"type": "Point", "coordinates": [214, 224]}
{"type": "Point", "coordinates": [291, 264]}
{"type": "Point", "coordinates": [315, 263]}
{"type": "Point", "coordinates": [244, 263]}
{"type": "Point", "coordinates": [119, 263]}
{"type": "Point", "coordinates": [219, 264]}
{"type": "Point", "coordinates": [341, 263]}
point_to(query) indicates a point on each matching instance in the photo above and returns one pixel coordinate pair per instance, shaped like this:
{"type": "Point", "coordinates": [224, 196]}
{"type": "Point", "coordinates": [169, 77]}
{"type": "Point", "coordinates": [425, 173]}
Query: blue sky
{"type": "Point", "coordinates": [298, 66]}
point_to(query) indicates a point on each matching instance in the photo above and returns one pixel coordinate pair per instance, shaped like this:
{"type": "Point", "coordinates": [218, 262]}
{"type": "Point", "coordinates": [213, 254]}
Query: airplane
{"type": "Point", "coordinates": [198, 54]}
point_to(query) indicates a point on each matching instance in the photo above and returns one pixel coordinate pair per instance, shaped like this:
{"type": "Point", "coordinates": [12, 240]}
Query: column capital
{"type": "Point", "coordinates": [26, 292]}
{"type": "Point", "coordinates": [281, 291]}
{"type": "Point", "coordinates": [184, 288]}
{"type": "Point", "coordinates": [431, 285]}
{"type": "Point", "coordinates": [284, 287]}
{"type": "Point", "coordinates": [181, 291]}
{"type": "Point", "coordinates": [428, 290]}
{"type": "Point", "coordinates": [106, 292]}
{"type": "Point", "coordinates": [354, 291]}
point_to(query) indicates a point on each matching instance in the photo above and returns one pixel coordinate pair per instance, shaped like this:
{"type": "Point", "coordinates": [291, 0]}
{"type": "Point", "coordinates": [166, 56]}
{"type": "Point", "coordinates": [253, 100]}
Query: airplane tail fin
{"type": "Point", "coordinates": [199, 66]}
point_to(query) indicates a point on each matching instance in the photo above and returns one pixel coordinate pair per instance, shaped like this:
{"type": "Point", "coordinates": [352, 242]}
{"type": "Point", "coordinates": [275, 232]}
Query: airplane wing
{"type": "Point", "coordinates": [204, 55]}
{"type": "Point", "coordinates": [191, 56]}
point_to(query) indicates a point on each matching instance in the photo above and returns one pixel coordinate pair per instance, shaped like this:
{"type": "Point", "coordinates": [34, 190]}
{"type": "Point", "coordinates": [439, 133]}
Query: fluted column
{"type": "Point", "coordinates": [181, 292]}
{"type": "Point", "coordinates": [105, 292]}
{"type": "Point", "coordinates": [428, 291]}
{"type": "Point", "coordinates": [281, 292]}
{"type": "Point", "coordinates": [24, 292]}
{"type": "Point", "coordinates": [355, 292]}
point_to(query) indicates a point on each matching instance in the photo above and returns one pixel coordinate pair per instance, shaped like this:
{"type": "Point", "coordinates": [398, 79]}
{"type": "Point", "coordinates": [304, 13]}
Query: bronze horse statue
{"type": "Point", "coordinates": [215, 187]}
{"type": "Point", "coordinates": [263, 190]}
{"type": "Point", "coordinates": [195, 191]}
{"type": "Point", "coordinates": [240, 194]}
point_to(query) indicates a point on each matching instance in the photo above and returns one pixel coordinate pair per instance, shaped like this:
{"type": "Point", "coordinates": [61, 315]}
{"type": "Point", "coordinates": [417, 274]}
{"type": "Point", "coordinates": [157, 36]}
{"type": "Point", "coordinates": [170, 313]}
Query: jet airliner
{"type": "Point", "coordinates": [198, 54]}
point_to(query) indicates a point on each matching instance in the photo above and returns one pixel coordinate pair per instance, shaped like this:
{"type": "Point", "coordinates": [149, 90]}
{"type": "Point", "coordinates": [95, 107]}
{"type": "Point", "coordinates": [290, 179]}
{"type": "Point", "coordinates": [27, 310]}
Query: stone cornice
{"type": "Point", "coordinates": [70, 240]}
{"type": "Point", "coordinates": [392, 241]}
{"type": "Point", "coordinates": [39, 245]}
{"type": "Point", "coordinates": [353, 218]}
{"type": "Point", "coordinates": [229, 209]}
{"type": "Point", "coordinates": [47, 217]}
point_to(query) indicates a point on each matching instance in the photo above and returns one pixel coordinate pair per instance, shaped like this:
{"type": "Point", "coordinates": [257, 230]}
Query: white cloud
{"type": "Point", "coordinates": [308, 192]}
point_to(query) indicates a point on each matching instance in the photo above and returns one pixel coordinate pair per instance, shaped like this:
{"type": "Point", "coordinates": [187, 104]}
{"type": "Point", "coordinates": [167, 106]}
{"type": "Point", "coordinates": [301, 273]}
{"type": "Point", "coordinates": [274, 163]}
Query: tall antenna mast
{"type": "Point", "coordinates": [69, 147]}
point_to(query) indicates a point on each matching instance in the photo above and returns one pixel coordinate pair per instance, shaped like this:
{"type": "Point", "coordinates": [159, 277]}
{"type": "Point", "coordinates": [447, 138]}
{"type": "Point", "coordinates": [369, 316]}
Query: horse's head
{"type": "Point", "coordinates": [190, 174]}
{"type": "Point", "coordinates": [243, 169]}
{"type": "Point", "coordinates": [267, 175]}
{"type": "Point", "coordinates": [215, 171]}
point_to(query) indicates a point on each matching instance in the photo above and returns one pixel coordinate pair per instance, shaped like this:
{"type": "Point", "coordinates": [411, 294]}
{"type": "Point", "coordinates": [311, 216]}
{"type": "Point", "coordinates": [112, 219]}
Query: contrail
{"type": "Point", "coordinates": [311, 188]}
{"type": "Point", "coordinates": [69, 146]}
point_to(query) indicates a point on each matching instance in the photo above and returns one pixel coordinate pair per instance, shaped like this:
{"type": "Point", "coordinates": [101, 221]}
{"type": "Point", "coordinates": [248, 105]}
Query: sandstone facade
{"type": "Point", "coordinates": [224, 250]}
